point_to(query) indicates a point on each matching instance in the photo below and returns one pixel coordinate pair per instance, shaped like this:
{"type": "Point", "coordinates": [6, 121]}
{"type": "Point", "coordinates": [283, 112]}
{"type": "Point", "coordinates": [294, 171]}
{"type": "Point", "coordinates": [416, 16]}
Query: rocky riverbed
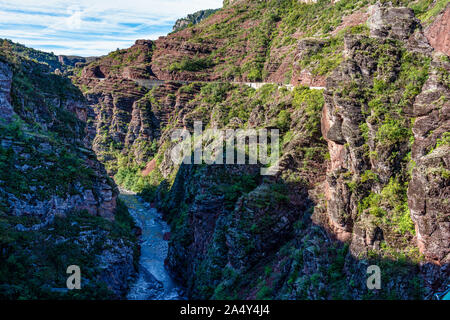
{"type": "Point", "coordinates": [154, 281]}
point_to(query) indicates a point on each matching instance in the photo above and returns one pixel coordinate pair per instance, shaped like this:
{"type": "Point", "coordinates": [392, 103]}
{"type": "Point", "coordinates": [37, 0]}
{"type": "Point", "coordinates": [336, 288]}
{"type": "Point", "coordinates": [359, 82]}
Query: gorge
{"type": "Point", "coordinates": [359, 91]}
{"type": "Point", "coordinates": [154, 282]}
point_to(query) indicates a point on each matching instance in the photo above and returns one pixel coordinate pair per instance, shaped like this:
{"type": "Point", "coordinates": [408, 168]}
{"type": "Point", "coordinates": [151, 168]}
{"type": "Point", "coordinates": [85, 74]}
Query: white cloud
{"type": "Point", "coordinates": [74, 21]}
{"type": "Point", "coordinates": [89, 27]}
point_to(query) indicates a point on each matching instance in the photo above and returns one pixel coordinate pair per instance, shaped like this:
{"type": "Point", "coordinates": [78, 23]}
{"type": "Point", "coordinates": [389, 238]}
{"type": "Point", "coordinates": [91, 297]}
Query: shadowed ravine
{"type": "Point", "coordinates": [154, 281]}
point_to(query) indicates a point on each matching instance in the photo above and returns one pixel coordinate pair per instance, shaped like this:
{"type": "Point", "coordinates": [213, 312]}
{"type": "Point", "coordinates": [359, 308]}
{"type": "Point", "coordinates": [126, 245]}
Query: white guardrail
{"type": "Point", "coordinates": [149, 84]}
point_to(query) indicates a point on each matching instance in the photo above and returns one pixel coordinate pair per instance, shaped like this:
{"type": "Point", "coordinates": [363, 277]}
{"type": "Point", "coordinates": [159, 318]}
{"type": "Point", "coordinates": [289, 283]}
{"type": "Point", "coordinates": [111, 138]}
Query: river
{"type": "Point", "coordinates": [154, 281]}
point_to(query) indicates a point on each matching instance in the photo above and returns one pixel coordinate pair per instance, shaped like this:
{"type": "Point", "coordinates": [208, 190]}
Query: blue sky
{"type": "Point", "coordinates": [91, 27]}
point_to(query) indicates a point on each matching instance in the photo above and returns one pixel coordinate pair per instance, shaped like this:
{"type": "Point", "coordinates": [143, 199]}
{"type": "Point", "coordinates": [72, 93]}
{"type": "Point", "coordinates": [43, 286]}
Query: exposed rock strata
{"type": "Point", "coordinates": [429, 187]}
{"type": "Point", "coordinates": [6, 110]}
{"type": "Point", "coordinates": [438, 33]}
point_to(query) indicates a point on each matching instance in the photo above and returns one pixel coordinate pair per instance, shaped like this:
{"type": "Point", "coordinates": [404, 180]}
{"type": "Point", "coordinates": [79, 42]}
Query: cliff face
{"type": "Point", "coordinates": [6, 110]}
{"type": "Point", "coordinates": [51, 181]}
{"type": "Point", "coordinates": [233, 43]}
{"type": "Point", "coordinates": [227, 221]}
{"type": "Point", "coordinates": [120, 116]}
{"type": "Point", "coordinates": [375, 122]}
{"type": "Point", "coordinates": [132, 63]}
{"type": "Point", "coordinates": [384, 117]}
{"type": "Point", "coordinates": [438, 32]}
{"type": "Point", "coordinates": [269, 41]}
{"type": "Point", "coordinates": [429, 185]}
{"type": "Point", "coordinates": [62, 115]}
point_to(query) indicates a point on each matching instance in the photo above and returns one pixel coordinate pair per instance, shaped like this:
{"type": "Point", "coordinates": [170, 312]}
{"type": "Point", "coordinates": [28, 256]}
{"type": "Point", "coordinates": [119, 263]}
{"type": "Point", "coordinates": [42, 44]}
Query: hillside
{"type": "Point", "coordinates": [57, 205]}
{"type": "Point", "coordinates": [268, 41]}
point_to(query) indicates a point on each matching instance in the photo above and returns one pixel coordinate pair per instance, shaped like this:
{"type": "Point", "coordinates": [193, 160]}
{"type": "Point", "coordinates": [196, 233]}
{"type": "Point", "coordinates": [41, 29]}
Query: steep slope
{"type": "Point", "coordinates": [374, 136]}
{"type": "Point", "coordinates": [192, 19]}
{"type": "Point", "coordinates": [121, 123]}
{"type": "Point", "coordinates": [57, 205]}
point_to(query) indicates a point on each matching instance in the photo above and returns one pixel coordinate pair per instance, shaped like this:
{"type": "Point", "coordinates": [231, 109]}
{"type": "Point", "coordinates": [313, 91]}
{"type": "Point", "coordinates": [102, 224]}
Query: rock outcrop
{"type": "Point", "coordinates": [391, 22]}
{"type": "Point", "coordinates": [438, 33]}
{"type": "Point", "coordinates": [429, 187]}
{"type": "Point", "coordinates": [120, 116]}
{"type": "Point", "coordinates": [6, 110]}
{"type": "Point", "coordinates": [132, 63]}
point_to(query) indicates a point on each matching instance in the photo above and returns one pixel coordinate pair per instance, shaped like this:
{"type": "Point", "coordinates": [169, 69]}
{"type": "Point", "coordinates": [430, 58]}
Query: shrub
{"type": "Point", "coordinates": [192, 64]}
{"type": "Point", "coordinates": [283, 120]}
{"type": "Point", "coordinates": [392, 131]}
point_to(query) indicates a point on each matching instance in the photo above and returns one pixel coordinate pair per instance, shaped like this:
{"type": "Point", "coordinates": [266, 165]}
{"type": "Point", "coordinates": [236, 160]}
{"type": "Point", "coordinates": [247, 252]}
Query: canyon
{"type": "Point", "coordinates": [360, 93]}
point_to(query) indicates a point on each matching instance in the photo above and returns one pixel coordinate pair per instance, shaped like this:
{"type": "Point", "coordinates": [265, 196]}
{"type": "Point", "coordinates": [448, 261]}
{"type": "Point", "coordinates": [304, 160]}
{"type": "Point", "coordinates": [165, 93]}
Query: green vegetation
{"type": "Point", "coordinates": [233, 187]}
{"type": "Point", "coordinates": [192, 19]}
{"type": "Point", "coordinates": [49, 59]}
{"type": "Point", "coordinates": [271, 25]}
{"type": "Point", "coordinates": [311, 101]}
{"type": "Point", "coordinates": [262, 29]}
{"type": "Point", "coordinates": [35, 262]}
{"type": "Point", "coordinates": [399, 79]}
{"type": "Point", "coordinates": [45, 160]}
{"type": "Point", "coordinates": [191, 64]}
{"type": "Point", "coordinates": [425, 10]}
{"type": "Point", "coordinates": [444, 140]}
{"type": "Point", "coordinates": [265, 293]}
{"type": "Point", "coordinates": [326, 58]}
